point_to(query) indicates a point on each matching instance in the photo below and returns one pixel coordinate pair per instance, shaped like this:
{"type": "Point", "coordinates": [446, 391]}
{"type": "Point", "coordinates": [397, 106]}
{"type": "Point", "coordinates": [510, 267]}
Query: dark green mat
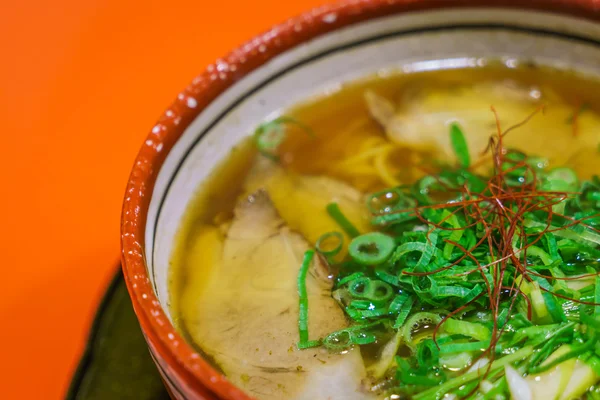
{"type": "Point", "coordinates": [116, 363]}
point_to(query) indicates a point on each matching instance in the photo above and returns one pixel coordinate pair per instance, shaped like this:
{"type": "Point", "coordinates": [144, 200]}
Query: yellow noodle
{"type": "Point", "coordinates": [384, 172]}
{"type": "Point", "coordinates": [362, 156]}
{"type": "Point", "coordinates": [372, 142]}
{"type": "Point", "coordinates": [360, 170]}
{"type": "Point", "coordinates": [369, 164]}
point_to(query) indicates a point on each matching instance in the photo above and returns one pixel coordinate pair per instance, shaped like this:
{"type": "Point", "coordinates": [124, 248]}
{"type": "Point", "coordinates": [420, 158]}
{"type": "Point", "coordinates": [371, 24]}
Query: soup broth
{"type": "Point", "coordinates": [395, 239]}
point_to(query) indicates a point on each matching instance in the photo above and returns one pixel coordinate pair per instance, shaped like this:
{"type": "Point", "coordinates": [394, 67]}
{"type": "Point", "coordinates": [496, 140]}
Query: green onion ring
{"type": "Point", "coordinates": [371, 248]}
{"type": "Point", "coordinates": [326, 237]}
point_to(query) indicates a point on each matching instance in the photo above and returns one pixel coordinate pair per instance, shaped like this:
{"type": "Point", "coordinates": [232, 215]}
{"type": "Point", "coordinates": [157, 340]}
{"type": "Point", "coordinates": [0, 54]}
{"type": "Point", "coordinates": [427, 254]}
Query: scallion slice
{"type": "Point", "coordinates": [371, 248]}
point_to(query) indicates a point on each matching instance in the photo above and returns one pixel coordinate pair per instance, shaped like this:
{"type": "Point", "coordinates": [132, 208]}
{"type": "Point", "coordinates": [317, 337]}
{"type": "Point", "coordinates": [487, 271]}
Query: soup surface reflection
{"type": "Point", "coordinates": [427, 235]}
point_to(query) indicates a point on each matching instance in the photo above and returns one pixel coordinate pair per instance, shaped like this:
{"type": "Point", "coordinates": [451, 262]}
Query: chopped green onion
{"type": "Point", "coordinates": [386, 276]}
{"type": "Point", "coordinates": [424, 286]}
{"type": "Point", "coordinates": [428, 354]}
{"type": "Point", "coordinates": [371, 248]}
{"type": "Point", "coordinates": [394, 218]}
{"type": "Point", "coordinates": [538, 302]}
{"type": "Point", "coordinates": [594, 392]}
{"type": "Point", "coordinates": [330, 244]}
{"type": "Point", "coordinates": [457, 361]}
{"type": "Point", "coordinates": [464, 391]}
{"type": "Point", "coordinates": [497, 390]}
{"type": "Point", "coordinates": [362, 338]}
{"type": "Point", "coordinates": [344, 338]}
{"type": "Point", "coordinates": [333, 209]}
{"type": "Point", "coordinates": [361, 304]}
{"type": "Point", "coordinates": [597, 297]}
{"type": "Point", "coordinates": [550, 341]}
{"type": "Point", "coordinates": [590, 320]}
{"type": "Point", "coordinates": [439, 391]}
{"type": "Point", "coordinates": [374, 313]}
{"type": "Point", "coordinates": [574, 352]}
{"type": "Point", "coordinates": [337, 341]}
{"type": "Point", "coordinates": [451, 291]}
{"type": "Point", "coordinates": [418, 320]}
{"type": "Point", "coordinates": [303, 301]}
{"type": "Point", "coordinates": [375, 291]}
{"type": "Point", "coordinates": [551, 305]}
{"type": "Point", "coordinates": [561, 179]}
{"type": "Point", "coordinates": [473, 293]}
{"type": "Point", "coordinates": [485, 250]}
{"type": "Point", "coordinates": [359, 286]}
{"type": "Point", "coordinates": [269, 135]}
{"type": "Point", "coordinates": [455, 235]}
{"type": "Point", "coordinates": [462, 347]}
{"type": "Point", "coordinates": [308, 344]}
{"type": "Point", "coordinates": [459, 145]}
{"type": "Point", "coordinates": [403, 314]}
{"type": "Point", "coordinates": [350, 278]}
{"type": "Point", "coordinates": [470, 329]}
{"type": "Point", "coordinates": [389, 200]}
{"type": "Point", "coordinates": [354, 314]}
{"type": "Point", "coordinates": [407, 374]}
{"type": "Point", "coordinates": [396, 304]}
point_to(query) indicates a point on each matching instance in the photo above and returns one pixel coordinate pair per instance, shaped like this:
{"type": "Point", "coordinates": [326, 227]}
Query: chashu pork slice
{"type": "Point", "coordinates": [422, 117]}
{"type": "Point", "coordinates": [302, 200]}
{"type": "Point", "coordinates": [246, 318]}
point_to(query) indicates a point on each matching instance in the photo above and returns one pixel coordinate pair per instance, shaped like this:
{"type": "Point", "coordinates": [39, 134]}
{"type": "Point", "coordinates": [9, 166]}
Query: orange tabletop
{"type": "Point", "coordinates": [82, 83]}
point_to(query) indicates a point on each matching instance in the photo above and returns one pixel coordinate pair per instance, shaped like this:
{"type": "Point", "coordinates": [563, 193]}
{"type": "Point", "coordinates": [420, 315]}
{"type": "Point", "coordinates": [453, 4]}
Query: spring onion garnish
{"type": "Point", "coordinates": [561, 179]}
{"type": "Point", "coordinates": [376, 292]}
{"type": "Point", "coordinates": [575, 352]}
{"type": "Point", "coordinates": [466, 276]}
{"type": "Point", "coordinates": [389, 200]}
{"type": "Point", "coordinates": [470, 329]}
{"type": "Point", "coordinates": [403, 312]}
{"type": "Point", "coordinates": [303, 303]}
{"type": "Point", "coordinates": [344, 338]}
{"type": "Point", "coordinates": [597, 298]}
{"type": "Point", "coordinates": [350, 278]}
{"type": "Point", "coordinates": [269, 135]}
{"type": "Point", "coordinates": [334, 212]}
{"type": "Point", "coordinates": [371, 248]}
{"type": "Point", "coordinates": [439, 391]}
{"type": "Point", "coordinates": [462, 347]}
{"type": "Point", "coordinates": [459, 145]}
{"type": "Point", "coordinates": [330, 244]}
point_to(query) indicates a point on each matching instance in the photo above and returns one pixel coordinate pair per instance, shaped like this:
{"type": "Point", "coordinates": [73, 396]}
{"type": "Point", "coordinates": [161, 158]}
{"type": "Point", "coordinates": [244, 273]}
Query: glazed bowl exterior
{"type": "Point", "coordinates": [306, 56]}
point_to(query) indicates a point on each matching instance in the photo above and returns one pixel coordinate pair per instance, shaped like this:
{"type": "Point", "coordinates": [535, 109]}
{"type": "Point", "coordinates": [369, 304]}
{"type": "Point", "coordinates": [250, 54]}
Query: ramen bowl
{"type": "Point", "coordinates": [308, 55]}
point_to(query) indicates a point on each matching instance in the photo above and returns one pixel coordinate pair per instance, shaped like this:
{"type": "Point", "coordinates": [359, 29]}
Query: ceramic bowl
{"type": "Point", "coordinates": [303, 57]}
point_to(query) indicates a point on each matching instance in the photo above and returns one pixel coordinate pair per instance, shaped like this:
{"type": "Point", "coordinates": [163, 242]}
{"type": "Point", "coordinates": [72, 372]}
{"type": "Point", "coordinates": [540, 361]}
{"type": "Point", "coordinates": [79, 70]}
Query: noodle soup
{"type": "Point", "coordinates": [427, 235]}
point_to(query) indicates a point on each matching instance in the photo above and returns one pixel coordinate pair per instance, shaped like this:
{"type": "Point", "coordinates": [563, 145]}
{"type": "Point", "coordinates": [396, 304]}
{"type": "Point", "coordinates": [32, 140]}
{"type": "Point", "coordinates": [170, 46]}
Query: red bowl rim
{"type": "Point", "coordinates": [196, 373]}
